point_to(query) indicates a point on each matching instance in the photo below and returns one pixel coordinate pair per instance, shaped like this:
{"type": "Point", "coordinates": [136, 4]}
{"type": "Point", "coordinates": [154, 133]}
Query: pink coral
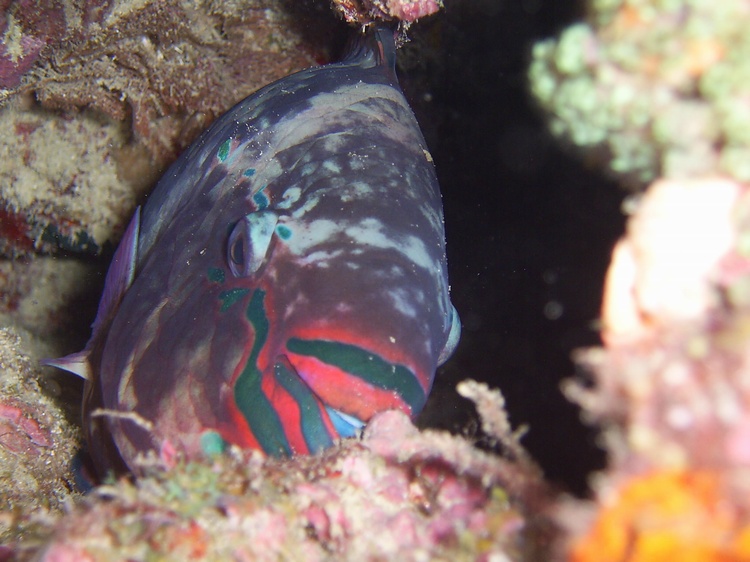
{"type": "Point", "coordinates": [663, 271]}
{"type": "Point", "coordinates": [366, 11]}
{"type": "Point", "coordinates": [671, 388]}
{"type": "Point", "coordinates": [397, 493]}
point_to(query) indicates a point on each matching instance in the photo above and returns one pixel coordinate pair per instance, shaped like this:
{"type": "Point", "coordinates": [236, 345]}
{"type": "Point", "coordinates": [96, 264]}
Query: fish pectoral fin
{"type": "Point", "coordinates": [120, 275]}
{"type": "Point", "coordinates": [454, 336]}
{"type": "Point", "coordinates": [118, 281]}
{"type": "Point", "coordinates": [76, 363]}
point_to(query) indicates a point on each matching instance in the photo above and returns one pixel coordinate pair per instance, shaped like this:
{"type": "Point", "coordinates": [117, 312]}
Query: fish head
{"type": "Point", "coordinates": [338, 329]}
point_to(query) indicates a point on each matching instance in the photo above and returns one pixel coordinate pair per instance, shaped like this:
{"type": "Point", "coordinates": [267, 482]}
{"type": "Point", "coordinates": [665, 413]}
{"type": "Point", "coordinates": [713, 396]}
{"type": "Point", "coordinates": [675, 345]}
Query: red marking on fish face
{"type": "Point", "coordinates": [342, 391]}
{"type": "Point", "coordinates": [380, 345]}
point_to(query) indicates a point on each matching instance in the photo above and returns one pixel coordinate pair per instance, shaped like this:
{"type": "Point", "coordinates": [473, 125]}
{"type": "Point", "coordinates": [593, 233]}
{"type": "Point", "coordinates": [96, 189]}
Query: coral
{"type": "Point", "coordinates": [171, 67]}
{"type": "Point", "coordinates": [672, 386]}
{"type": "Point", "coordinates": [363, 12]}
{"type": "Point", "coordinates": [675, 376]}
{"type": "Point", "coordinates": [37, 445]}
{"type": "Point", "coordinates": [26, 28]}
{"type": "Point", "coordinates": [101, 96]}
{"type": "Point", "coordinates": [691, 516]}
{"type": "Point", "coordinates": [397, 493]}
{"type": "Point", "coordinates": [663, 271]}
{"type": "Point", "coordinates": [661, 90]}
{"type": "Point", "coordinates": [652, 88]}
{"type": "Point", "coordinates": [61, 182]}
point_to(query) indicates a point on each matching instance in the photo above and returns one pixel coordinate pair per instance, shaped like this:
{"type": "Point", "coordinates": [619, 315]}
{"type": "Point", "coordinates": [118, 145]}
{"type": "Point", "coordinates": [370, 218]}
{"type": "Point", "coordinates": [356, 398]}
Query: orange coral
{"type": "Point", "coordinates": [668, 515]}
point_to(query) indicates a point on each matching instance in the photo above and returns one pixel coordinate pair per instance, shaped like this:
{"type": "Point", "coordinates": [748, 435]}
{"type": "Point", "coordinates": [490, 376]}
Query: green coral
{"type": "Point", "coordinates": [660, 88]}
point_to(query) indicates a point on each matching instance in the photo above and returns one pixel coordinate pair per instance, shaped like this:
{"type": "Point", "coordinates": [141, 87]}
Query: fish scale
{"type": "Point", "coordinates": [285, 281]}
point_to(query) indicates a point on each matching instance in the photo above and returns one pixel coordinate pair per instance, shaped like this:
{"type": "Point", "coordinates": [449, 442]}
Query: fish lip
{"type": "Point", "coordinates": [346, 425]}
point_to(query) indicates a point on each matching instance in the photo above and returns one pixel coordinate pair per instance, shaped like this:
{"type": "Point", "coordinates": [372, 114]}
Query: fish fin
{"type": "Point", "coordinates": [385, 45]}
{"type": "Point", "coordinates": [120, 275]}
{"type": "Point", "coordinates": [76, 363]}
{"type": "Point", "coordinates": [376, 47]}
{"type": "Point", "coordinates": [454, 335]}
{"type": "Point", "coordinates": [119, 278]}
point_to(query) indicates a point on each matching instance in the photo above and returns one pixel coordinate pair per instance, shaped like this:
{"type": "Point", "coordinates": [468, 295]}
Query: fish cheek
{"type": "Point", "coordinates": [270, 401]}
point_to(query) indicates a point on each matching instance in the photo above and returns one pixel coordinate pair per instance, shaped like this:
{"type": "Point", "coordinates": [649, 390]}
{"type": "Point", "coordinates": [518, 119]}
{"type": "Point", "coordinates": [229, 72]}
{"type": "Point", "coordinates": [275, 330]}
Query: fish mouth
{"type": "Point", "coordinates": [346, 425]}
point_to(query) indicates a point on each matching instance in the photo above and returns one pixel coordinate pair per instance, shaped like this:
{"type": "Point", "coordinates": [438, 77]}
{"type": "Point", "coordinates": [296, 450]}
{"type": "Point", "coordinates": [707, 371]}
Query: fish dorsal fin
{"type": "Point", "coordinates": [120, 275]}
{"type": "Point", "coordinates": [375, 47]}
{"type": "Point", "coordinates": [118, 280]}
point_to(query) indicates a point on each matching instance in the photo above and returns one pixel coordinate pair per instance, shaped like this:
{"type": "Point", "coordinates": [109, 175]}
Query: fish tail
{"type": "Point", "coordinates": [375, 47]}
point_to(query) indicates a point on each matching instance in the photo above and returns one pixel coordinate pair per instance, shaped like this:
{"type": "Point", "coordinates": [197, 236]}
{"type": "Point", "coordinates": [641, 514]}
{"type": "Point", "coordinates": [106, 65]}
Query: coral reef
{"type": "Point", "coordinates": [102, 95]}
{"type": "Point", "coordinates": [661, 89]}
{"type": "Point", "coordinates": [37, 446]}
{"type": "Point", "coordinates": [61, 183]}
{"type": "Point", "coordinates": [49, 299]}
{"type": "Point", "coordinates": [672, 387]}
{"type": "Point", "coordinates": [396, 493]}
{"type": "Point", "coordinates": [652, 89]}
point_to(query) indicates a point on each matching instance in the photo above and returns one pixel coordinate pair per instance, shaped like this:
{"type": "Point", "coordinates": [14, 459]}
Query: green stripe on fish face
{"type": "Point", "coordinates": [224, 150]}
{"type": "Point", "coordinates": [228, 298]}
{"type": "Point", "coordinates": [248, 394]}
{"type": "Point", "coordinates": [216, 275]}
{"type": "Point", "coordinates": [364, 364]}
{"type": "Point", "coordinates": [311, 417]}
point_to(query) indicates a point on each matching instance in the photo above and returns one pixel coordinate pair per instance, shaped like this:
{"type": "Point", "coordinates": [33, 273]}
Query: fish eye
{"type": "Point", "coordinates": [237, 252]}
{"type": "Point", "coordinates": [249, 242]}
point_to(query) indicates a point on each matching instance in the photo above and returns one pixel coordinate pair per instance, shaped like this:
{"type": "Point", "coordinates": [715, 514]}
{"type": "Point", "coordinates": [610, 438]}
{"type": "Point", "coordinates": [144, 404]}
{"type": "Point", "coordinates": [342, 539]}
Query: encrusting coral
{"type": "Point", "coordinates": [102, 95]}
{"type": "Point", "coordinates": [672, 387]}
{"type": "Point", "coordinates": [363, 12]}
{"type": "Point", "coordinates": [37, 446]}
{"type": "Point", "coordinates": [396, 493]}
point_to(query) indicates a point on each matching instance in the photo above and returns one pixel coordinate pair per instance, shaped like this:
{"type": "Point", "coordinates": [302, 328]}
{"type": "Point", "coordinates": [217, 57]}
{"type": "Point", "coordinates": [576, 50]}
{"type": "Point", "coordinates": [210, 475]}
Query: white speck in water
{"type": "Point", "coordinates": [553, 310]}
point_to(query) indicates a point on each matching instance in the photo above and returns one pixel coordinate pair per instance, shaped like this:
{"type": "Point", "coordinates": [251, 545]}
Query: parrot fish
{"type": "Point", "coordinates": [285, 281]}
